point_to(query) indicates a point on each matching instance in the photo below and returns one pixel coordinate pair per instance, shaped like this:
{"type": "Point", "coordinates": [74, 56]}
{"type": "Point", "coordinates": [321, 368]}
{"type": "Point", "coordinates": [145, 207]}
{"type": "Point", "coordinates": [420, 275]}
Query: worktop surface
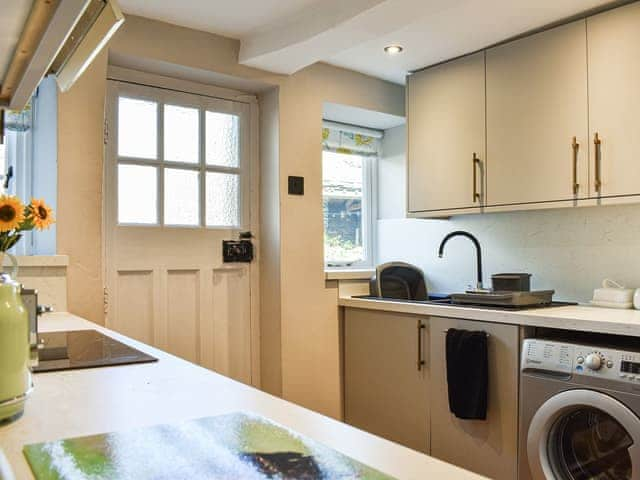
{"type": "Point", "coordinates": [574, 317]}
{"type": "Point", "coordinates": [84, 402]}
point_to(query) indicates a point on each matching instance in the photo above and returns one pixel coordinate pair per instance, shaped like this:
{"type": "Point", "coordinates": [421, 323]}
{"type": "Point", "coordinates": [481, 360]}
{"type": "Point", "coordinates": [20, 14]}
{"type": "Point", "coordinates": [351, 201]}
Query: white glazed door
{"type": "Point", "coordinates": [178, 183]}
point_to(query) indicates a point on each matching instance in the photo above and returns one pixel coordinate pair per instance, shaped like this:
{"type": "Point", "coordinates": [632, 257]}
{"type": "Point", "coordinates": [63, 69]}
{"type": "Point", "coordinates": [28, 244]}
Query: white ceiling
{"type": "Point", "coordinates": [12, 18]}
{"type": "Point", "coordinates": [284, 36]}
{"type": "Point", "coordinates": [231, 18]}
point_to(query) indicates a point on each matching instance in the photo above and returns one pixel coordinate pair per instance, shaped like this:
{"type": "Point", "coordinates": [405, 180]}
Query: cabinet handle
{"type": "Point", "coordinates": [597, 159]}
{"type": "Point", "coordinates": [421, 326]}
{"type": "Point", "coordinates": [476, 162]}
{"type": "Point", "coordinates": [575, 146]}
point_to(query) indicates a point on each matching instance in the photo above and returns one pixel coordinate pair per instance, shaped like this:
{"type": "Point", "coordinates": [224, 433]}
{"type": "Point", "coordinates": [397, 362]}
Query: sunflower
{"type": "Point", "coordinates": [11, 213]}
{"type": "Point", "coordinates": [41, 214]}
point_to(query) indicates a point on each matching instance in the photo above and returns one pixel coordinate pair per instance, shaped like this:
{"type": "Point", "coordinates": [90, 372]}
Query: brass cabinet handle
{"type": "Point", "coordinates": [476, 162]}
{"type": "Point", "coordinates": [597, 159]}
{"type": "Point", "coordinates": [421, 326]}
{"type": "Point", "coordinates": [575, 146]}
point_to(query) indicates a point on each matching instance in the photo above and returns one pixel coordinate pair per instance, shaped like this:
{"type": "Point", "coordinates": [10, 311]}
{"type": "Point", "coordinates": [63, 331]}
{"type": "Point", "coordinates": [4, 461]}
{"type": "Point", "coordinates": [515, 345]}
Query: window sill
{"type": "Point", "coordinates": [349, 273]}
{"type": "Point", "coordinates": [42, 261]}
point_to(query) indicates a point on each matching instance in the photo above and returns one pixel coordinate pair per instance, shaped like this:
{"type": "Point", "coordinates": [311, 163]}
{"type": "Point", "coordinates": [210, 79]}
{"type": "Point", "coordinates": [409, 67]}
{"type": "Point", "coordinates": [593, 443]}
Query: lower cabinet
{"type": "Point", "coordinates": [386, 375]}
{"type": "Point", "coordinates": [485, 447]}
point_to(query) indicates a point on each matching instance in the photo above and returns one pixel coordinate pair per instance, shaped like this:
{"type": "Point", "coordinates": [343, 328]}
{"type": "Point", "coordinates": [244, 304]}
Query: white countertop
{"type": "Point", "coordinates": [578, 317]}
{"type": "Point", "coordinates": [84, 402]}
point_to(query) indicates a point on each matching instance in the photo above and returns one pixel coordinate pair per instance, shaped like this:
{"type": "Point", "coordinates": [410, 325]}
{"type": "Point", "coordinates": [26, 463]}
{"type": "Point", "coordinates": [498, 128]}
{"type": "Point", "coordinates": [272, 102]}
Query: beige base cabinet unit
{"type": "Point", "coordinates": [446, 131]}
{"type": "Point", "coordinates": [614, 100]}
{"type": "Point", "coordinates": [536, 105]}
{"type": "Point", "coordinates": [386, 375]}
{"type": "Point", "coordinates": [486, 447]}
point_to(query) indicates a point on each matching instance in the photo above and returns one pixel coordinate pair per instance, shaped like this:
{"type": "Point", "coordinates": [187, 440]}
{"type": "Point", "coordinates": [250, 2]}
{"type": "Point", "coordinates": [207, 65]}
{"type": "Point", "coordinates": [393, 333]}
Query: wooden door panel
{"type": "Point", "coordinates": [385, 393]}
{"type": "Point", "coordinates": [486, 447]}
{"type": "Point", "coordinates": [183, 313]}
{"type": "Point", "coordinates": [231, 322]}
{"type": "Point", "coordinates": [536, 104]}
{"type": "Point", "coordinates": [446, 111]}
{"type": "Point", "coordinates": [614, 98]}
{"type": "Point", "coordinates": [135, 305]}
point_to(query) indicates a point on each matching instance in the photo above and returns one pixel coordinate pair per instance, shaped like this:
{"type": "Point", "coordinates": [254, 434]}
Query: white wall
{"type": "Point", "coordinates": [570, 250]}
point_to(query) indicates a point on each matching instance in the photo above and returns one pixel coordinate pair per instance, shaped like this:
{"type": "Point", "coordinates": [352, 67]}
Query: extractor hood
{"type": "Point", "coordinates": [60, 37]}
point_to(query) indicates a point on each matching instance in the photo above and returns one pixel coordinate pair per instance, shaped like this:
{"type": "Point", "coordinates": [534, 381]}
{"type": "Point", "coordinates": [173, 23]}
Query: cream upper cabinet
{"type": "Point", "coordinates": [536, 105]}
{"type": "Point", "coordinates": [614, 100]}
{"type": "Point", "coordinates": [446, 127]}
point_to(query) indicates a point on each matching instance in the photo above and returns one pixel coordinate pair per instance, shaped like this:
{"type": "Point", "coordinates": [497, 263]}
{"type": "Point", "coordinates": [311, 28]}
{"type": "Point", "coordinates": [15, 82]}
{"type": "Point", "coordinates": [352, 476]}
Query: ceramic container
{"type": "Point", "coordinates": [15, 377]}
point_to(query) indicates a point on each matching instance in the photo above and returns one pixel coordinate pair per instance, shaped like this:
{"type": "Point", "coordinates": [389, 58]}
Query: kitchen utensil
{"type": "Point", "coordinates": [505, 299]}
{"type": "Point", "coordinates": [15, 377]}
{"type": "Point", "coordinates": [511, 282]}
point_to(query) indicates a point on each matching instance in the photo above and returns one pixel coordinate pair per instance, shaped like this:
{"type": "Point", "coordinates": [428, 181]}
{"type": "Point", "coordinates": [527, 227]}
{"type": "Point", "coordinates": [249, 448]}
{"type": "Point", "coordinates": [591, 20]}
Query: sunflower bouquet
{"type": "Point", "coordinates": [16, 217]}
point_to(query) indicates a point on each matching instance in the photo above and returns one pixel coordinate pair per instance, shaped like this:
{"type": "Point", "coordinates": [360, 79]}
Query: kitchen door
{"type": "Point", "coordinates": [177, 183]}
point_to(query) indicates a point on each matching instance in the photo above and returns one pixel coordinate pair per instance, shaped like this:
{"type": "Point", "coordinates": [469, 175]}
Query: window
{"type": "Point", "coordinates": [28, 160]}
{"type": "Point", "coordinates": [179, 163]}
{"type": "Point", "coordinates": [348, 163]}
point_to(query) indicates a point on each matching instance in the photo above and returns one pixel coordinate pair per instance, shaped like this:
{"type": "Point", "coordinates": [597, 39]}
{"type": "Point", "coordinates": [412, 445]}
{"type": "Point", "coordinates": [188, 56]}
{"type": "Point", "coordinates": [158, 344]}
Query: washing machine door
{"type": "Point", "coordinates": [584, 435]}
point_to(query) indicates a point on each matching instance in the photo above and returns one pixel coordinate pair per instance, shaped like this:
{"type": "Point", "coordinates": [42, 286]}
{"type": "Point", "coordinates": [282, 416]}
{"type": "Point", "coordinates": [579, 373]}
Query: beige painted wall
{"type": "Point", "coordinates": [79, 215]}
{"type": "Point", "coordinates": [270, 288]}
{"type": "Point", "coordinates": [310, 322]}
{"type": "Point", "coordinates": [299, 317]}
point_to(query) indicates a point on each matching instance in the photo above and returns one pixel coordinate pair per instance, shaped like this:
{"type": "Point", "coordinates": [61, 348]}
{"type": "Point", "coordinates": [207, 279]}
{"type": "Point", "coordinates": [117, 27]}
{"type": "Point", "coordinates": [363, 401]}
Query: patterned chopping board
{"type": "Point", "coordinates": [234, 446]}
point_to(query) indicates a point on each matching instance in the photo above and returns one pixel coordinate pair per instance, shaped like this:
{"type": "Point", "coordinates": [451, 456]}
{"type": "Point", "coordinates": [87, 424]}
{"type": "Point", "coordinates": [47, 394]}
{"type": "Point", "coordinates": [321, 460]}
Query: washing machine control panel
{"type": "Point", "coordinates": [560, 357]}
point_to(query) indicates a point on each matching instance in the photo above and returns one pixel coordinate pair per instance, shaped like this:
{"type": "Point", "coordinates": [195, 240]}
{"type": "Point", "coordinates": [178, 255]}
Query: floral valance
{"type": "Point", "coordinates": [345, 141]}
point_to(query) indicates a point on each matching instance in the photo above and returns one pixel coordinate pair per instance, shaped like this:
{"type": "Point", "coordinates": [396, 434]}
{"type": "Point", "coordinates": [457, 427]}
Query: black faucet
{"type": "Point", "coordinates": [461, 233]}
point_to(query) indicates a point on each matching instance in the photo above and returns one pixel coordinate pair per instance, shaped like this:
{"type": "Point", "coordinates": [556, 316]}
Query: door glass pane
{"type": "Point", "coordinates": [342, 183]}
{"type": "Point", "coordinates": [223, 199]}
{"type": "Point", "coordinates": [181, 197]}
{"type": "Point", "coordinates": [137, 194]}
{"type": "Point", "coordinates": [222, 143]}
{"type": "Point", "coordinates": [181, 134]}
{"type": "Point", "coordinates": [587, 444]}
{"type": "Point", "coordinates": [137, 128]}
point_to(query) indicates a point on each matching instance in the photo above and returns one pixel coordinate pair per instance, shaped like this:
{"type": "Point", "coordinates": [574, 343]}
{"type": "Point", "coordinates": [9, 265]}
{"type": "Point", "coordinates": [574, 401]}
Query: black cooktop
{"type": "Point", "coordinates": [440, 300]}
{"type": "Point", "coordinates": [84, 349]}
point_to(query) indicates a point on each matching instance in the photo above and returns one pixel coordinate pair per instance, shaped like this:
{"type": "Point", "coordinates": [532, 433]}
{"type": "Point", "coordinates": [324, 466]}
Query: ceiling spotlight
{"type": "Point", "coordinates": [393, 49]}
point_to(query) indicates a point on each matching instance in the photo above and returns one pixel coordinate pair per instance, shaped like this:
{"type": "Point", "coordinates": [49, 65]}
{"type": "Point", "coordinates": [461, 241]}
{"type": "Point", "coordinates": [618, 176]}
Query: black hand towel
{"type": "Point", "coordinates": [467, 373]}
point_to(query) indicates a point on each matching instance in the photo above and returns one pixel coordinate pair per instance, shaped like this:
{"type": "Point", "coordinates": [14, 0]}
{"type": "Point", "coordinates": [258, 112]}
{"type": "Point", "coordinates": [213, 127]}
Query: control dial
{"type": "Point", "coordinates": [593, 361]}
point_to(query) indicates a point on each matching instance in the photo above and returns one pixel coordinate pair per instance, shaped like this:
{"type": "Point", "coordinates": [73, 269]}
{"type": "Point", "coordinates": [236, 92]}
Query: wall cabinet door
{"type": "Point", "coordinates": [486, 447]}
{"type": "Point", "coordinates": [446, 126]}
{"type": "Point", "coordinates": [614, 100]}
{"type": "Point", "coordinates": [386, 391]}
{"type": "Point", "coordinates": [536, 104]}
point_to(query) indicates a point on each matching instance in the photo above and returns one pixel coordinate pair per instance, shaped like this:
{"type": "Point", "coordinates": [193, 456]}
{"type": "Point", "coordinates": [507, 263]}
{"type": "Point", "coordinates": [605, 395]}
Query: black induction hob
{"type": "Point", "coordinates": [447, 301]}
{"type": "Point", "coordinates": [84, 349]}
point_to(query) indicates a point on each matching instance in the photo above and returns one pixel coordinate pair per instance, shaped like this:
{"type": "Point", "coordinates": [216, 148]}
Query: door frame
{"type": "Point", "coordinates": [251, 192]}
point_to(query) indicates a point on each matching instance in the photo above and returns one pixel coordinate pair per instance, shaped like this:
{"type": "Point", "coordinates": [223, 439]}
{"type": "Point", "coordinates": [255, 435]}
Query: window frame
{"type": "Point", "coordinates": [369, 209]}
{"type": "Point", "coordinates": [165, 97]}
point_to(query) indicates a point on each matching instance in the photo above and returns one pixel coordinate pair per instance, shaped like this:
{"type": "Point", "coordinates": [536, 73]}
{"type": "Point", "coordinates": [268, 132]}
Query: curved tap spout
{"type": "Point", "coordinates": [462, 233]}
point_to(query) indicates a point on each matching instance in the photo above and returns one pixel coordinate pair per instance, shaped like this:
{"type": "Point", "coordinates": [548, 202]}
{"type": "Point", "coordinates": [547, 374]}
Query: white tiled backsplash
{"type": "Point", "coordinates": [570, 250]}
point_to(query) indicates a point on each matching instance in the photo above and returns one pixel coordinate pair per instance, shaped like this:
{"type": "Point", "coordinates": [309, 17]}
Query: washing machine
{"type": "Point", "coordinates": [579, 412]}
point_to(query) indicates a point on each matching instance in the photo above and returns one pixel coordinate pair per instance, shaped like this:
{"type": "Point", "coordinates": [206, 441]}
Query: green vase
{"type": "Point", "coordinates": [15, 377]}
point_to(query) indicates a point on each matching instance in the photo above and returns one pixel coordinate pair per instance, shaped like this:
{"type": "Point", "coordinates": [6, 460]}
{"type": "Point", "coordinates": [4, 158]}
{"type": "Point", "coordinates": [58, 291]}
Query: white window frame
{"type": "Point", "coordinates": [203, 103]}
{"type": "Point", "coordinates": [369, 204]}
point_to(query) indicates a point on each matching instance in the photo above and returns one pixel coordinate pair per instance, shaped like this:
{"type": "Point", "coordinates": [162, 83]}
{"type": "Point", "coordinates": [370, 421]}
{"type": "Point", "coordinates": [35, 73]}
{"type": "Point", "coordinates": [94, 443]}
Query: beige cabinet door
{"type": "Point", "coordinates": [446, 127]}
{"type": "Point", "coordinates": [536, 105]}
{"type": "Point", "coordinates": [386, 391]}
{"type": "Point", "coordinates": [614, 100]}
{"type": "Point", "coordinates": [486, 447]}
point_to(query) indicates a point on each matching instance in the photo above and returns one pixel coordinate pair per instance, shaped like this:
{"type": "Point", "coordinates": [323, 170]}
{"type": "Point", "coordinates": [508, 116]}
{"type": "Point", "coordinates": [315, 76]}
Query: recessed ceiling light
{"type": "Point", "coordinates": [393, 49]}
